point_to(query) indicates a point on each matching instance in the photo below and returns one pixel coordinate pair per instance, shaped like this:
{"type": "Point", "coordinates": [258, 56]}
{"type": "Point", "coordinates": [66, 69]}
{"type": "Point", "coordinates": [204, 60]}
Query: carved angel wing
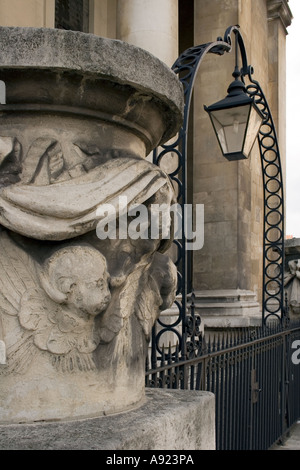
{"type": "Point", "coordinates": [44, 324]}
{"type": "Point", "coordinates": [17, 274]}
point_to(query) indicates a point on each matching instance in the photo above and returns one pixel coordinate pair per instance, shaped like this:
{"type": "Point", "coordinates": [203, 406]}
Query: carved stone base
{"type": "Point", "coordinates": [82, 281]}
{"type": "Point", "coordinates": [50, 388]}
{"type": "Point", "coordinates": [167, 420]}
{"type": "Point", "coordinates": [227, 308]}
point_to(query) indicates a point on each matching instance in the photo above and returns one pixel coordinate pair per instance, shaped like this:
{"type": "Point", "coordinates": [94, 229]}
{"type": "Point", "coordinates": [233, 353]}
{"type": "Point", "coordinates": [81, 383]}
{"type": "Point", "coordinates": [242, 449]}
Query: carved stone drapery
{"type": "Point", "coordinates": [77, 309]}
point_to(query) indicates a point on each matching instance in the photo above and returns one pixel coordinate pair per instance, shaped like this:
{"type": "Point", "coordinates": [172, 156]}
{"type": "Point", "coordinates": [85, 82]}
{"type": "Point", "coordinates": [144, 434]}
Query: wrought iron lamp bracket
{"type": "Point", "coordinates": [246, 70]}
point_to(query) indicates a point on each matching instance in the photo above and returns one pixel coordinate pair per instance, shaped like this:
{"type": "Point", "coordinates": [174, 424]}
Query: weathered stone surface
{"type": "Point", "coordinates": [227, 308]}
{"type": "Point", "coordinates": [76, 69]}
{"type": "Point", "coordinates": [78, 303]}
{"type": "Point", "coordinates": [167, 420]}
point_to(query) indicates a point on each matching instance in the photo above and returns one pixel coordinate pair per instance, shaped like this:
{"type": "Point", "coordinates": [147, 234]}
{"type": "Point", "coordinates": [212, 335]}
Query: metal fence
{"type": "Point", "coordinates": [255, 376]}
{"type": "Point", "coordinates": [251, 373]}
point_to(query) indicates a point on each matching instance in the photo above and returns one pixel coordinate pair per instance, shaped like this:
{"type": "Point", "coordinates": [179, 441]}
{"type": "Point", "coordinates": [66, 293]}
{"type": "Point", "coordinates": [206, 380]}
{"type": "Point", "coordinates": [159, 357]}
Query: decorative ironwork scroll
{"type": "Point", "coordinates": [273, 304]}
{"type": "Point", "coordinates": [273, 297]}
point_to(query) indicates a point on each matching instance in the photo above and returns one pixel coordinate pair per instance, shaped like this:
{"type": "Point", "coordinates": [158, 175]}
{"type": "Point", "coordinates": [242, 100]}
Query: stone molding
{"type": "Point", "coordinates": [279, 9]}
{"type": "Point", "coordinates": [90, 59]}
{"type": "Point", "coordinates": [227, 308]}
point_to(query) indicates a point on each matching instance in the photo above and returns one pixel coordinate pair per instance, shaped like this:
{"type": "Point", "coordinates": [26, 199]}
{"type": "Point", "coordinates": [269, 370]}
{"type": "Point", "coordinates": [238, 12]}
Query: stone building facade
{"type": "Point", "coordinates": [227, 271]}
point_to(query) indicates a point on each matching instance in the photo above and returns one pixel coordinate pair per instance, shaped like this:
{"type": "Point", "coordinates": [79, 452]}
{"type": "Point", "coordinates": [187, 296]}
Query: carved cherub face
{"type": "Point", "coordinates": [78, 277]}
{"type": "Point", "coordinates": [90, 292]}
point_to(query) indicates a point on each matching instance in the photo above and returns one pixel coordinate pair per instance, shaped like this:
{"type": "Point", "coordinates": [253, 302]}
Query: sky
{"type": "Point", "coordinates": [293, 124]}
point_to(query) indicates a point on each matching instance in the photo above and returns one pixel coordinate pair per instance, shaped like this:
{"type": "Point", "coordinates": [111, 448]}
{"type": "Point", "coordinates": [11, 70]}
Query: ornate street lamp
{"type": "Point", "coordinates": [236, 119]}
{"type": "Point", "coordinates": [241, 118]}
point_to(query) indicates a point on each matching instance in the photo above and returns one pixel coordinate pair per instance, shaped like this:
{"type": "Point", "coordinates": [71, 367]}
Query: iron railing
{"type": "Point", "coordinates": [251, 373]}
{"type": "Point", "coordinates": [253, 377]}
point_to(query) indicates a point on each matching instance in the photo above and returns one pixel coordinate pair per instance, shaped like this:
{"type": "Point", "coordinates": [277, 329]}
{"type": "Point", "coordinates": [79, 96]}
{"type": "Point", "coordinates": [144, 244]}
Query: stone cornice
{"type": "Point", "coordinates": [279, 9]}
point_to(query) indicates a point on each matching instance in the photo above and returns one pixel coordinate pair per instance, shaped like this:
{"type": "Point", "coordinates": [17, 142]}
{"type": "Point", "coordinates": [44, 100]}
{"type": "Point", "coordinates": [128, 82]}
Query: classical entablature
{"type": "Point", "coordinates": [280, 9]}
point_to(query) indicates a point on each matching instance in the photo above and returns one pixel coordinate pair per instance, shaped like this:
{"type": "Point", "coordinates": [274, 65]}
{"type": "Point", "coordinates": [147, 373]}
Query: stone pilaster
{"type": "Point", "coordinates": [279, 19]}
{"type": "Point", "coordinates": [280, 10]}
{"type": "Point", "coordinates": [227, 271]}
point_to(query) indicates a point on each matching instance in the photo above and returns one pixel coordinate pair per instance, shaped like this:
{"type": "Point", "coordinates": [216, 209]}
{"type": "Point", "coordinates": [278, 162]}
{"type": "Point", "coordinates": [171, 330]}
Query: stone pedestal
{"type": "Point", "coordinates": [168, 420]}
{"type": "Point", "coordinates": [82, 281]}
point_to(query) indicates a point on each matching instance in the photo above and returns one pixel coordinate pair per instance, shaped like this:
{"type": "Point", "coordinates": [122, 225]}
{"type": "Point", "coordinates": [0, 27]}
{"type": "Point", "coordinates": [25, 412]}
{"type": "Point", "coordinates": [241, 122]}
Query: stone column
{"type": "Point", "coordinates": [152, 25]}
{"type": "Point", "coordinates": [228, 270]}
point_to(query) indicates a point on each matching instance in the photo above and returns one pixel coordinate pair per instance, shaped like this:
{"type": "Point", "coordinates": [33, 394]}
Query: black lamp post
{"type": "Point", "coordinates": [236, 119]}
